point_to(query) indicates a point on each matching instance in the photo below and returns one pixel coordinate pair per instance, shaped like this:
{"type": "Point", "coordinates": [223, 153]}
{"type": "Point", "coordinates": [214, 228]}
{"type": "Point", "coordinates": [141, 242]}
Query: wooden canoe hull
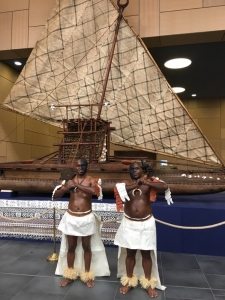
{"type": "Point", "coordinates": [43, 180]}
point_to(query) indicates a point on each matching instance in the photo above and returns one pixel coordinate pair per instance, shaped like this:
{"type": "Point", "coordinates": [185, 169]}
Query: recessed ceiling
{"type": "Point", "coordinates": [205, 77]}
{"type": "Point", "coordinates": [17, 68]}
{"type": "Point", "coordinates": [9, 56]}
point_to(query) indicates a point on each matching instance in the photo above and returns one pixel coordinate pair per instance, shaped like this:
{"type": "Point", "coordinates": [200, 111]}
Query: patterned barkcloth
{"type": "Point", "coordinates": [34, 219]}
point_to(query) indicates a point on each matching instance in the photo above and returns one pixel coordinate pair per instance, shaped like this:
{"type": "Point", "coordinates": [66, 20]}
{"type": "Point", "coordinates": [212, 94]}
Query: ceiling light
{"type": "Point", "coordinates": [177, 63]}
{"type": "Point", "coordinates": [17, 63]}
{"type": "Point", "coordinates": [193, 95]}
{"type": "Point", "coordinates": [178, 90]}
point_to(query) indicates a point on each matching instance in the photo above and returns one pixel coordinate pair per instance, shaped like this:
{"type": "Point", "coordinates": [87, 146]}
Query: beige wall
{"type": "Point", "coordinates": [21, 22]}
{"type": "Point", "coordinates": [21, 138]}
{"type": "Point", "coordinates": [7, 79]}
{"type": "Point", "coordinates": [209, 116]}
{"type": "Point", "coordinates": [161, 21]}
{"type": "Point", "coordinates": [195, 20]}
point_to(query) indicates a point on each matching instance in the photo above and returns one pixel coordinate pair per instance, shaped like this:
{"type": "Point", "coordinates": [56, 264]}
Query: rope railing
{"type": "Point", "coordinates": [21, 219]}
{"type": "Point", "coordinates": [191, 227]}
{"type": "Point", "coordinates": [117, 220]}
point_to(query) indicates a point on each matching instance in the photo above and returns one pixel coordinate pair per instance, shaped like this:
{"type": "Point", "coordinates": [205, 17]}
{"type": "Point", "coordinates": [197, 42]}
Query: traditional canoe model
{"type": "Point", "coordinates": [92, 76]}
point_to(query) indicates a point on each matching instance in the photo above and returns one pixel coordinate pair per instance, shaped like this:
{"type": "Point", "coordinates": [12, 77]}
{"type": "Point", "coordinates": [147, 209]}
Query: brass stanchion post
{"type": "Point", "coordinates": [54, 256]}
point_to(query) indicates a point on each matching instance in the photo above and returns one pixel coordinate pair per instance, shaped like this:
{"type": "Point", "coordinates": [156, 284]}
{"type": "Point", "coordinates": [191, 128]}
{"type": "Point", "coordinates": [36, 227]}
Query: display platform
{"type": "Point", "coordinates": [26, 216]}
{"type": "Point", "coordinates": [192, 211]}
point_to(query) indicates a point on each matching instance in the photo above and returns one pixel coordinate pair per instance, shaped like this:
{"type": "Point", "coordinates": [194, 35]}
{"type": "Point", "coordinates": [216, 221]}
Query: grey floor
{"type": "Point", "coordinates": [26, 274]}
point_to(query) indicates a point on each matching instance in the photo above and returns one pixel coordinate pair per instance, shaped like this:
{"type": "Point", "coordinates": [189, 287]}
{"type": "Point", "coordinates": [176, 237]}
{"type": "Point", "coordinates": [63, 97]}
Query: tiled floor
{"type": "Point", "coordinates": [25, 274]}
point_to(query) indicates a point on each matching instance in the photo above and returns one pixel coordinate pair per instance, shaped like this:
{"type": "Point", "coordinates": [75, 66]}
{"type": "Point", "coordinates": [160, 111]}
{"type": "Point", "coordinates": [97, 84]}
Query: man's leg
{"type": "Point", "coordinates": [129, 280]}
{"type": "Point", "coordinates": [69, 273]}
{"type": "Point", "coordinates": [148, 283]}
{"type": "Point", "coordinates": [130, 261]}
{"type": "Point", "coordinates": [88, 276]}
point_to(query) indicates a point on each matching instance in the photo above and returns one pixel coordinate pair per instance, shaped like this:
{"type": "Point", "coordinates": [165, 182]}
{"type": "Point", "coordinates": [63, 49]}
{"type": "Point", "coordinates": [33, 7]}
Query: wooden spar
{"type": "Point", "coordinates": [92, 132]}
{"type": "Point", "coordinates": [120, 16]}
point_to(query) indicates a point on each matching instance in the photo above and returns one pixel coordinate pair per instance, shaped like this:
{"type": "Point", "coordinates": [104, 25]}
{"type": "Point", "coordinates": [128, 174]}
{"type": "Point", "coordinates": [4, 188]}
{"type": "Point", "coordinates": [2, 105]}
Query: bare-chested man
{"type": "Point", "coordinates": [137, 232]}
{"type": "Point", "coordinates": [79, 222]}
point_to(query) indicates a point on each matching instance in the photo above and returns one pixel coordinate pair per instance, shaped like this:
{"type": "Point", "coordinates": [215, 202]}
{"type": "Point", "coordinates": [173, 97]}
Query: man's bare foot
{"type": "Point", "coordinates": [152, 293]}
{"type": "Point", "coordinates": [124, 289]}
{"type": "Point", "coordinates": [90, 283]}
{"type": "Point", "coordinates": [65, 281]}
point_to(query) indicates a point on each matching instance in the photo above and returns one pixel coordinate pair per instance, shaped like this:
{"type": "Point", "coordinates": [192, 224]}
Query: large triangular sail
{"type": "Point", "coordinates": [68, 65]}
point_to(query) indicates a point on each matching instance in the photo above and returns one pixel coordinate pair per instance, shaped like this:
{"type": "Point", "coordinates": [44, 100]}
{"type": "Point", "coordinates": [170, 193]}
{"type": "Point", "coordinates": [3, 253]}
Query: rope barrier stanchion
{"type": "Point", "coordinates": [54, 256]}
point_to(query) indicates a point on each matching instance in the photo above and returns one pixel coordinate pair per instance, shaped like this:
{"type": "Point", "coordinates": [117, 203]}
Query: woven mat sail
{"type": "Point", "coordinates": [68, 66]}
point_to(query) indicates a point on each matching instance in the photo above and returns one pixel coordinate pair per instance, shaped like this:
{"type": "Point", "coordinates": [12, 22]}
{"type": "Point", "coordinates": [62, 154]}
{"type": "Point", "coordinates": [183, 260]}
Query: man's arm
{"type": "Point", "coordinates": [60, 190]}
{"type": "Point", "coordinates": [166, 189]}
{"type": "Point", "coordinates": [119, 200]}
{"type": "Point", "coordinates": [92, 189]}
{"type": "Point", "coordinates": [155, 183]}
{"type": "Point", "coordinates": [131, 185]}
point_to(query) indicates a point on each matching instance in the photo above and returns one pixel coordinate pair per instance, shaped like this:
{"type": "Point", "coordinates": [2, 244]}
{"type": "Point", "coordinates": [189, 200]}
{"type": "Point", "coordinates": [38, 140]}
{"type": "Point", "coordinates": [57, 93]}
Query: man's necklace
{"type": "Point", "coordinates": [77, 181]}
{"type": "Point", "coordinates": [136, 190]}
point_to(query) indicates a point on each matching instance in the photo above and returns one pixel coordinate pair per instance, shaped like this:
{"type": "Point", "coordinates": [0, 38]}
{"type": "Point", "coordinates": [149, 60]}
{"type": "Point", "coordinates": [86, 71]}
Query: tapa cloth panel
{"type": "Point", "coordinates": [33, 219]}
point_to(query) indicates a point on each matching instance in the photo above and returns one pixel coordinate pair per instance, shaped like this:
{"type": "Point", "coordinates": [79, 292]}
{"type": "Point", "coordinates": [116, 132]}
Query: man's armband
{"type": "Point", "coordinates": [98, 189]}
{"type": "Point", "coordinates": [57, 188]}
{"type": "Point", "coordinates": [121, 188]}
{"type": "Point", "coordinates": [153, 192]}
{"type": "Point", "coordinates": [119, 202]}
{"type": "Point", "coordinates": [168, 196]}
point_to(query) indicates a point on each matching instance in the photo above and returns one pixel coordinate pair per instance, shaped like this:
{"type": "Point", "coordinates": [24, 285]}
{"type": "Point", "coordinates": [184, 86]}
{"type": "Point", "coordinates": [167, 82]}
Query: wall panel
{"type": "Point", "coordinates": [207, 3]}
{"type": "Point", "coordinates": [149, 18]}
{"type": "Point", "coordinates": [170, 5]}
{"type": "Point", "coordinates": [197, 20]}
{"type": "Point", "coordinates": [13, 5]}
{"type": "Point", "coordinates": [20, 29]}
{"type": "Point", "coordinates": [6, 31]}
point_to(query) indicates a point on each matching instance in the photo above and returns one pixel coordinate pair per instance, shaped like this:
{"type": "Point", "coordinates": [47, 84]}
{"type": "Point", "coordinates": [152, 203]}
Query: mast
{"type": "Point", "coordinates": [88, 137]}
{"type": "Point", "coordinates": [145, 112]}
{"type": "Point", "coordinates": [120, 16]}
